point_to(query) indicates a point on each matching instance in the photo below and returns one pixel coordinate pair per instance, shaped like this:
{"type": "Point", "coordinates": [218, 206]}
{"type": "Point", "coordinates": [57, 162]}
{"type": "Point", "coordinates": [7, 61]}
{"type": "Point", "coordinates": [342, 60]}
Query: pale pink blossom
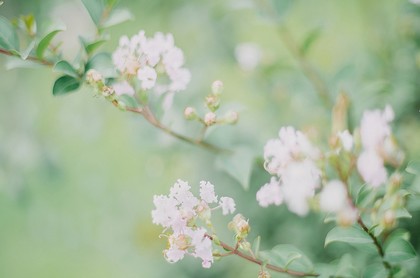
{"type": "Point", "coordinates": [227, 204]}
{"type": "Point", "coordinates": [333, 197]}
{"type": "Point", "coordinates": [122, 88]}
{"type": "Point", "coordinates": [371, 167]}
{"type": "Point", "coordinates": [270, 194]}
{"type": "Point", "coordinates": [346, 140]}
{"type": "Point", "coordinates": [207, 192]}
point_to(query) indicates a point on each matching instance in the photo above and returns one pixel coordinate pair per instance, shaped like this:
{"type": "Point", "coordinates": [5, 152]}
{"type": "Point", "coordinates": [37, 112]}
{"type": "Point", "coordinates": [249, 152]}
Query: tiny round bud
{"type": "Point", "coordinates": [107, 91]}
{"type": "Point", "coordinates": [231, 117]}
{"type": "Point", "coordinates": [213, 102]}
{"type": "Point", "coordinates": [264, 274]}
{"type": "Point", "coordinates": [190, 113]}
{"type": "Point", "coordinates": [240, 226]}
{"type": "Point", "coordinates": [217, 87]}
{"type": "Point", "coordinates": [93, 76]}
{"type": "Point", "coordinates": [389, 219]}
{"type": "Point", "coordinates": [210, 119]}
{"type": "Point", "coordinates": [347, 217]}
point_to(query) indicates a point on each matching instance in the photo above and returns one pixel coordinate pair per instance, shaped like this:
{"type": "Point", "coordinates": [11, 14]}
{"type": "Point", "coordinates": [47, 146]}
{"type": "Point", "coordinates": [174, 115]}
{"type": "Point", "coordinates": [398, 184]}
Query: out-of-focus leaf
{"type": "Point", "coordinates": [256, 245]}
{"type": "Point", "coordinates": [376, 270]}
{"type": "Point", "coordinates": [309, 40]}
{"type": "Point", "coordinates": [288, 257]}
{"type": "Point", "coordinates": [16, 63]}
{"type": "Point", "coordinates": [45, 41]}
{"type": "Point", "coordinates": [29, 23]}
{"type": "Point", "coordinates": [65, 84]}
{"type": "Point", "coordinates": [66, 68]}
{"type": "Point", "coordinates": [117, 17]}
{"type": "Point", "coordinates": [399, 250]}
{"type": "Point", "coordinates": [95, 9]}
{"type": "Point", "coordinates": [282, 6]}
{"type": "Point", "coordinates": [238, 165]}
{"type": "Point", "coordinates": [24, 55]}
{"type": "Point", "coordinates": [91, 47]}
{"type": "Point", "coordinates": [8, 37]}
{"type": "Point", "coordinates": [413, 167]}
{"type": "Point", "coordinates": [345, 267]}
{"type": "Point", "coordinates": [365, 196]}
{"type": "Point", "coordinates": [102, 62]}
{"type": "Point", "coordinates": [129, 101]}
{"type": "Point", "coordinates": [349, 235]}
{"type": "Point", "coordinates": [402, 213]}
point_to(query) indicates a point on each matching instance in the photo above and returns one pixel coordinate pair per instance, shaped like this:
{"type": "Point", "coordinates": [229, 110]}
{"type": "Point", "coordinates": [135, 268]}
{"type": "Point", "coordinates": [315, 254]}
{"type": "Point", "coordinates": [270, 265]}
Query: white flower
{"type": "Point", "coordinates": [207, 192]}
{"type": "Point", "coordinates": [270, 193]}
{"type": "Point", "coordinates": [123, 87]}
{"type": "Point", "coordinates": [248, 55]}
{"type": "Point", "coordinates": [333, 197]}
{"type": "Point", "coordinates": [179, 79]}
{"type": "Point", "coordinates": [227, 204]}
{"type": "Point", "coordinates": [374, 127]}
{"type": "Point", "coordinates": [147, 76]}
{"type": "Point", "coordinates": [166, 210]}
{"type": "Point", "coordinates": [173, 58]}
{"type": "Point", "coordinates": [346, 140]}
{"type": "Point", "coordinates": [210, 118]}
{"type": "Point", "coordinates": [371, 167]}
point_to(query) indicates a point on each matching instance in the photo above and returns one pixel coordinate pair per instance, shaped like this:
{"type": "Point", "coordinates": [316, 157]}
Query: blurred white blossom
{"type": "Point", "coordinates": [248, 55]}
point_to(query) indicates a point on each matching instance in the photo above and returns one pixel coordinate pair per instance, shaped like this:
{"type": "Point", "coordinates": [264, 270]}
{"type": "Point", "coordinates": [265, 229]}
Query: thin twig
{"type": "Point", "coordinates": [236, 251]}
{"type": "Point", "coordinates": [30, 58]}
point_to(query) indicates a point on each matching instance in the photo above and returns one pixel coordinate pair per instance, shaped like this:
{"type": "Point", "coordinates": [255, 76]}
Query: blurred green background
{"type": "Point", "coordinates": [77, 176]}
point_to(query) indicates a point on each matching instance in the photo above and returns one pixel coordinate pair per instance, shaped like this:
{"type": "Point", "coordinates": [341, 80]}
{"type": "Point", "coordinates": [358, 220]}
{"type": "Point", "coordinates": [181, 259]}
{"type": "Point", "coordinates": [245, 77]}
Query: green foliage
{"type": "Point", "coordinates": [66, 68]}
{"type": "Point", "coordinates": [8, 36]}
{"type": "Point", "coordinates": [25, 53]}
{"type": "Point", "coordinates": [350, 235]}
{"type": "Point", "coordinates": [413, 167]}
{"type": "Point", "coordinates": [116, 17]}
{"type": "Point", "coordinates": [45, 42]}
{"type": "Point", "coordinates": [129, 101]}
{"type": "Point", "coordinates": [96, 9]}
{"type": "Point", "coordinates": [398, 248]}
{"type": "Point", "coordinates": [102, 62]}
{"type": "Point", "coordinates": [65, 84]}
{"type": "Point", "coordinates": [91, 47]}
{"type": "Point", "coordinates": [288, 257]}
{"type": "Point", "coordinates": [310, 38]}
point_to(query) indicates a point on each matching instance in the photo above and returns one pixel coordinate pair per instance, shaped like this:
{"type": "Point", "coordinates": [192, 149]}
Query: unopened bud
{"type": "Point", "coordinates": [190, 113]}
{"type": "Point", "coordinates": [231, 117]}
{"type": "Point", "coordinates": [217, 87]}
{"type": "Point", "coordinates": [107, 91]}
{"type": "Point", "coordinates": [93, 77]}
{"type": "Point", "coordinates": [389, 219]}
{"type": "Point", "coordinates": [264, 274]}
{"type": "Point", "coordinates": [210, 119]}
{"type": "Point", "coordinates": [347, 217]}
{"type": "Point", "coordinates": [395, 182]}
{"type": "Point", "coordinates": [213, 102]}
{"type": "Point", "coordinates": [240, 226]}
{"type": "Point", "coordinates": [204, 211]}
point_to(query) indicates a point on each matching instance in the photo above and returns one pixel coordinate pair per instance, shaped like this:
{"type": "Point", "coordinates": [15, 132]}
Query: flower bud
{"type": "Point", "coordinates": [203, 211]}
{"type": "Point", "coordinates": [264, 274]}
{"type": "Point", "coordinates": [389, 219]}
{"type": "Point", "coordinates": [213, 102]}
{"type": "Point", "coordinates": [190, 113]}
{"type": "Point", "coordinates": [347, 217]}
{"type": "Point", "coordinates": [217, 87]}
{"type": "Point", "coordinates": [231, 117]}
{"type": "Point", "coordinates": [93, 77]}
{"type": "Point", "coordinates": [107, 91]}
{"type": "Point", "coordinates": [210, 119]}
{"type": "Point", "coordinates": [240, 226]}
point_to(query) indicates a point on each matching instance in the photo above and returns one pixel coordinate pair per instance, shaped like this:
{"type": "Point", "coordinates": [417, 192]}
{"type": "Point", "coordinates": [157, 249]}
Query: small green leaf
{"type": "Point", "coordinates": [95, 9]}
{"type": "Point", "coordinates": [346, 267]}
{"type": "Point", "coordinates": [282, 6]}
{"type": "Point", "coordinates": [376, 270]}
{"type": "Point", "coordinates": [310, 39]}
{"type": "Point", "coordinates": [65, 84]}
{"type": "Point", "coordinates": [413, 167]}
{"type": "Point", "coordinates": [66, 68]}
{"type": "Point", "coordinates": [238, 165]}
{"type": "Point", "coordinates": [288, 257]}
{"type": "Point", "coordinates": [129, 101]}
{"type": "Point", "coordinates": [256, 245]}
{"type": "Point", "coordinates": [399, 250]}
{"type": "Point", "coordinates": [402, 213]}
{"type": "Point", "coordinates": [24, 55]}
{"type": "Point", "coordinates": [102, 62]}
{"type": "Point", "coordinates": [16, 63]}
{"type": "Point", "coordinates": [365, 196]}
{"type": "Point", "coordinates": [117, 17]}
{"type": "Point", "coordinates": [8, 37]}
{"type": "Point", "coordinates": [91, 47]}
{"type": "Point", "coordinates": [348, 235]}
{"type": "Point", "coordinates": [45, 42]}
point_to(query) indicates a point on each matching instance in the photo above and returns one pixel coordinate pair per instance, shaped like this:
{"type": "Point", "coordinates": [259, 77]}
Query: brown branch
{"type": "Point", "coordinates": [235, 251]}
{"type": "Point", "coordinates": [150, 117]}
{"type": "Point", "coordinates": [30, 58]}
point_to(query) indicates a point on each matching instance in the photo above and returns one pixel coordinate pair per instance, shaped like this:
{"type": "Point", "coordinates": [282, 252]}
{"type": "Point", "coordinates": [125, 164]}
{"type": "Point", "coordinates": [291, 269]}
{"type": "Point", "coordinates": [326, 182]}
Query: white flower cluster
{"type": "Point", "coordinates": [146, 58]}
{"type": "Point", "coordinates": [178, 213]}
{"type": "Point", "coordinates": [375, 134]}
{"type": "Point", "coordinates": [291, 158]}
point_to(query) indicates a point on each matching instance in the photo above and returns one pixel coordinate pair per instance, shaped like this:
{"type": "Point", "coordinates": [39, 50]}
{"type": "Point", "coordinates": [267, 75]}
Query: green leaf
{"type": "Point", "coordinates": [129, 101]}
{"type": "Point", "coordinates": [288, 257]}
{"type": "Point", "coordinates": [95, 9]}
{"type": "Point", "coordinates": [16, 63]}
{"type": "Point", "coordinates": [282, 6]}
{"type": "Point", "coordinates": [376, 270]}
{"type": "Point", "coordinates": [346, 267]}
{"type": "Point", "coordinates": [24, 55]}
{"type": "Point", "coordinates": [117, 17]}
{"type": "Point", "coordinates": [413, 167]}
{"type": "Point", "coordinates": [399, 250]}
{"type": "Point", "coordinates": [256, 245]}
{"type": "Point", "coordinates": [66, 68]}
{"type": "Point", "coordinates": [402, 213]}
{"type": "Point", "coordinates": [365, 196]}
{"type": "Point", "coordinates": [91, 47]}
{"type": "Point", "coordinates": [45, 42]}
{"type": "Point", "coordinates": [348, 235]}
{"type": "Point", "coordinates": [8, 36]}
{"type": "Point", "coordinates": [102, 62]}
{"type": "Point", "coordinates": [238, 165]}
{"type": "Point", "coordinates": [310, 39]}
{"type": "Point", "coordinates": [65, 84]}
